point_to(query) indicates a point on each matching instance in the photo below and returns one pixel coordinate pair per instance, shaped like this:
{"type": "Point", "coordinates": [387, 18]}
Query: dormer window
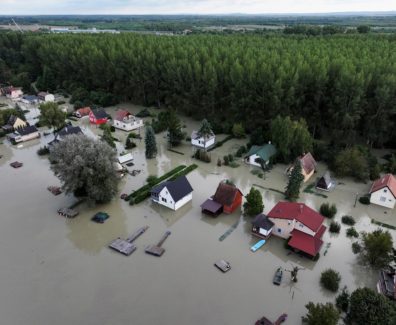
{"type": "Point", "coordinates": [385, 190]}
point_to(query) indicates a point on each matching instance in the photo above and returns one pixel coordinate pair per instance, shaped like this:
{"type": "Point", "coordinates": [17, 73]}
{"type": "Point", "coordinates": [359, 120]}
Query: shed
{"type": "Point", "coordinates": [260, 155]}
{"type": "Point", "coordinates": [211, 207]}
{"type": "Point", "coordinates": [325, 182]}
{"type": "Point", "coordinates": [262, 226]}
{"type": "Point", "coordinates": [98, 116]}
{"type": "Point", "coordinates": [125, 158]}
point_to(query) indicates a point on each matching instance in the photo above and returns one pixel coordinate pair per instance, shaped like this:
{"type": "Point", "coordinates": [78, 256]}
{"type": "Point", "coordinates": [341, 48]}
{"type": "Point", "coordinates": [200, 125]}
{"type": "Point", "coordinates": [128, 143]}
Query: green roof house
{"type": "Point", "coordinates": [260, 155]}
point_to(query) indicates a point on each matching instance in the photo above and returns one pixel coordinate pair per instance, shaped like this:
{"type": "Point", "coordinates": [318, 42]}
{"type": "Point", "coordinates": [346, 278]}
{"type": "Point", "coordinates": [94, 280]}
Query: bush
{"type": "Point", "coordinates": [112, 128]}
{"type": "Point", "coordinates": [238, 130]}
{"type": "Point", "coordinates": [43, 151]}
{"type": "Point", "coordinates": [342, 300]}
{"type": "Point", "coordinates": [129, 144]}
{"type": "Point", "coordinates": [327, 210]}
{"type": "Point", "coordinates": [219, 162]}
{"type": "Point", "coordinates": [143, 113]}
{"type": "Point", "coordinates": [356, 248]}
{"type": "Point", "coordinates": [335, 227]}
{"type": "Point", "coordinates": [364, 200]}
{"type": "Point", "coordinates": [152, 179]}
{"type": "Point", "coordinates": [330, 280]}
{"type": "Point", "coordinates": [202, 155]}
{"type": "Point", "coordinates": [351, 232]}
{"type": "Point", "coordinates": [233, 164]}
{"type": "Point", "coordinates": [188, 139]}
{"type": "Point", "coordinates": [61, 102]}
{"type": "Point", "coordinates": [348, 220]}
{"type": "Point", "coordinates": [241, 151]}
{"type": "Point", "coordinates": [226, 160]}
{"type": "Point", "coordinates": [230, 158]}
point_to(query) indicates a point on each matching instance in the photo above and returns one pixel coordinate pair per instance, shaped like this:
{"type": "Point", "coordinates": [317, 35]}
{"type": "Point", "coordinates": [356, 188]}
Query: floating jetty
{"type": "Point", "coordinates": [157, 250]}
{"type": "Point", "coordinates": [126, 246]}
{"type": "Point", "coordinates": [68, 213]}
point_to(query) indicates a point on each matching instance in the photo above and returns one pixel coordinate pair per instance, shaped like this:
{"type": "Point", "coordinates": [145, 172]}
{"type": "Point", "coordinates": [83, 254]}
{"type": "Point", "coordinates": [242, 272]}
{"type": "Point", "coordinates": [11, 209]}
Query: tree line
{"type": "Point", "coordinates": [343, 86]}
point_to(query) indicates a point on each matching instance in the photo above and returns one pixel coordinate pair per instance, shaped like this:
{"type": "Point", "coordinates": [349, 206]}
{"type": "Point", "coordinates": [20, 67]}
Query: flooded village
{"type": "Point", "coordinates": [61, 270]}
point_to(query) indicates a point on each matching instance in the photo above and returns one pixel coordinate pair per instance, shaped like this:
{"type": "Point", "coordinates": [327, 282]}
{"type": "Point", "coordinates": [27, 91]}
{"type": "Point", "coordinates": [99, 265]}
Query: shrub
{"type": "Point", "coordinates": [238, 130]}
{"type": "Point", "coordinates": [356, 248]}
{"type": "Point", "coordinates": [219, 162]}
{"type": "Point", "coordinates": [342, 300]}
{"type": "Point", "coordinates": [348, 220]}
{"type": "Point", "coordinates": [327, 210]}
{"type": "Point", "coordinates": [330, 280]}
{"type": "Point", "coordinates": [143, 113]}
{"type": "Point", "coordinates": [129, 144]}
{"type": "Point", "coordinates": [188, 139]}
{"type": "Point", "coordinates": [61, 102]}
{"type": "Point", "coordinates": [351, 232]}
{"type": "Point", "coordinates": [230, 158]}
{"type": "Point", "coordinates": [364, 200]}
{"type": "Point", "coordinates": [241, 151]}
{"type": "Point", "coordinates": [112, 128]}
{"type": "Point", "coordinates": [334, 227]}
{"type": "Point", "coordinates": [152, 179]}
{"type": "Point", "coordinates": [234, 164]}
{"type": "Point", "coordinates": [226, 160]}
{"type": "Point", "coordinates": [202, 155]}
{"type": "Point", "coordinates": [43, 151]}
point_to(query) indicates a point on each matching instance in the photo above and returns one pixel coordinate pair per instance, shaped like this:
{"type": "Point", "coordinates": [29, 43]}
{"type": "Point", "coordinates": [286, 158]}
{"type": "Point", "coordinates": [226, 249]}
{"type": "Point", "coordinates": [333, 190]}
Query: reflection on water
{"type": "Point", "coordinates": [54, 265]}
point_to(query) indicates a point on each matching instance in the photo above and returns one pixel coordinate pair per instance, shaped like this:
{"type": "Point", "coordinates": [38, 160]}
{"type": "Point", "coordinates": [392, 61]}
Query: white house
{"type": "Point", "coordinates": [202, 142]}
{"type": "Point", "coordinates": [45, 97]}
{"type": "Point", "coordinates": [125, 158]}
{"type": "Point", "coordinates": [124, 120]}
{"type": "Point", "coordinates": [24, 134]}
{"type": "Point", "coordinates": [260, 155]}
{"type": "Point", "coordinates": [261, 226]}
{"type": "Point", "coordinates": [301, 223]}
{"type": "Point", "coordinates": [172, 194]}
{"type": "Point", "coordinates": [383, 191]}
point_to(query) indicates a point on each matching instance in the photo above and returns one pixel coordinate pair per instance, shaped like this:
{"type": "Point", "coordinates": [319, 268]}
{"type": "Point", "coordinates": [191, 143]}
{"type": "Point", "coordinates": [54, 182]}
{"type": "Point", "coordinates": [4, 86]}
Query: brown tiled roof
{"type": "Point", "coordinates": [121, 114]}
{"type": "Point", "coordinates": [387, 180]}
{"type": "Point", "coordinates": [225, 194]}
{"type": "Point", "coordinates": [308, 163]}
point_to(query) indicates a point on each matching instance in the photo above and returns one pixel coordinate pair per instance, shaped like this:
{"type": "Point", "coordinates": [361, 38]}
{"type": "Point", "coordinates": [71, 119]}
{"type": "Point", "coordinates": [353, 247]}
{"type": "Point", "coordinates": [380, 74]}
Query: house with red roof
{"type": "Point", "coordinates": [126, 121]}
{"type": "Point", "coordinates": [83, 111]}
{"type": "Point", "coordinates": [98, 116]}
{"type": "Point", "coordinates": [226, 199]}
{"type": "Point", "coordinates": [308, 166]}
{"type": "Point", "coordinates": [383, 191]}
{"type": "Point", "coordinates": [298, 221]}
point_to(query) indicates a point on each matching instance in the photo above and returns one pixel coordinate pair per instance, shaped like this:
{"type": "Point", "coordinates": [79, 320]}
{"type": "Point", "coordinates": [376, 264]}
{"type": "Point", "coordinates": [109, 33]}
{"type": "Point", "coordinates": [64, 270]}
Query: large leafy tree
{"type": "Point", "coordinates": [51, 115]}
{"type": "Point", "coordinates": [107, 136]}
{"type": "Point", "coordinates": [254, 202]}
{"type": "Point", "coordinates": [370, 308]}
{"type": "Point", "coordinates": [295, 180]}
{"type": "Point", "coordinates": [321, 314]}
{"type": "Point", "coordinates": [150, 142]}
{"type": "Point", "coordinates": [377, 248]}
{"type": "Point", "coordinates": [85, 167]}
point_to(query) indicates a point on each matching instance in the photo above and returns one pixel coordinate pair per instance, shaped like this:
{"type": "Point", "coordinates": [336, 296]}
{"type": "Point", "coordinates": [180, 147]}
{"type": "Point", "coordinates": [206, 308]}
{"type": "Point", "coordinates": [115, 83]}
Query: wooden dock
{"type": "Point", "coordinates": [126, 246]}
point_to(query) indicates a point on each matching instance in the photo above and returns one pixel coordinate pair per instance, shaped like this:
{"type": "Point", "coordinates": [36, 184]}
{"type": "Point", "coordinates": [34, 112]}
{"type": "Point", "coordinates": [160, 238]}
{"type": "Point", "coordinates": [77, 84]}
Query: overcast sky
{"type": "Point", "coordinates": [34, 7]}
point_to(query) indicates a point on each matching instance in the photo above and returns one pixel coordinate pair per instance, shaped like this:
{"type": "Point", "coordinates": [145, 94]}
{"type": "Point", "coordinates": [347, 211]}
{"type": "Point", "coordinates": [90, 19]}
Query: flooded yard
{"type": "Point", "coordinates": [60, 271]}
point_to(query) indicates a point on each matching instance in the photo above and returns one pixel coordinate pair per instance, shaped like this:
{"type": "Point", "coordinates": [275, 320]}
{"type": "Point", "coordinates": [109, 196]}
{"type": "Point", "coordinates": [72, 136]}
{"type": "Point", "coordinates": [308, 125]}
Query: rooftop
{"type": "Point", "coordinates": [387, 180]}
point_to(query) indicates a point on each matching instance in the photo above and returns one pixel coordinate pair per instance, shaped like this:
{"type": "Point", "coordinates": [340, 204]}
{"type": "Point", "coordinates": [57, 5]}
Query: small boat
{"type": "Point", "coordinates": [278, 276]}
{"type": "Point", "coordinates": [257, 245]}
{"type": "Point", "coordinates": [223, 266]}
{"type": "Point", "coordinates": [100, 217]}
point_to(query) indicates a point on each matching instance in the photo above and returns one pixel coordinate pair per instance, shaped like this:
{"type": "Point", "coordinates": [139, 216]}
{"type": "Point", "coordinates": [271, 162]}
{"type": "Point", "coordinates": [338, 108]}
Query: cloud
{"type": "Point", "coordinates": [34, 7]}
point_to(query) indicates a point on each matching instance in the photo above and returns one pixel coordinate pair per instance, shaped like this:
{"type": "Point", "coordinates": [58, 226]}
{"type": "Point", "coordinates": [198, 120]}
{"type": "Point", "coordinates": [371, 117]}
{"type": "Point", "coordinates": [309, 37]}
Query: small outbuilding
{"type": "Point", "coordinates": [81, 112]}
{"type": "Point", "coordinates": [383, 191]}
{"type": "Point", "coordinates": [262, 226]}
{"type": "Point", "coordinates": [172, 194]}
{"type": "Point", "coordinates": [45, 97]}
{"type": "Point", "coordinates": [226, 199]}
{"type": "Point", "coordinates": [325, 183]}
{"type": "Point", "coordinates": [98, 116]}
{"type": "Point", "coordinates": [260, 155]}
{"type": "Point", "coordinates": [201, 141]}
{"type": "Point", "coordinates": [125, 158]}
{"type": "Point", "coordinates": [211, 207]}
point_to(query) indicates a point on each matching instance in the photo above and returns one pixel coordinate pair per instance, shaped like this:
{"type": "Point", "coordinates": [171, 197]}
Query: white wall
{"type": "Point", "coordinates": [252, 160]}
{"type": "Point", "coordinates": [183, 201]}
{"type": "Point", "coordinates": [265, 232]}
{"type": "Point", "coordinates": [128, 126]}
{"type": "Point", "coordinates": [28, 137]}
{"type": "Point", "coordinates": [383, 197]}
{"type": "Point", "coordinates": [49, 98]}
{"type": "Point", "coordinates": [282, 227]}
{"type": "Point", "coordinates": [201, 144]}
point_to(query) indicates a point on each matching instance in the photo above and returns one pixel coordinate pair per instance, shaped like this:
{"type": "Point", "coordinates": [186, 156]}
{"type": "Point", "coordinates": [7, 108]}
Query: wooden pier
{"type": "Point", "coordinates": [126, 246]}
{"type": "Point", "coordinates": [157, 250]}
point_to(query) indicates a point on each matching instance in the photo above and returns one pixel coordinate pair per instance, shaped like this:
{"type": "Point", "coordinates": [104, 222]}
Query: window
{"type": "Point", "coordinates": [289, 223]}
{"type": "Point", "coordinates": [301, 225]}
{"type": "Point", "coordinates": [385, 190]}
{"type": "Point", "coordinates": [163, 199]}
{"type": "Point", "coordinates": [279, 230]}
{"type": "Point", "coordinates": [123, 125]}
{"type": "Point", "coordinates": [382, 198]}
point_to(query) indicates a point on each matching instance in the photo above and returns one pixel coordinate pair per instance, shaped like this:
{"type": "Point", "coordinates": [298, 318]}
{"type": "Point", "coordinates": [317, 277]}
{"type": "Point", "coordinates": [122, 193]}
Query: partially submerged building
{"type": "Point", "coordinates": [124, 120]}
{"type": "Point", "coordinates": [308, 166]}
{"type": "Point", "coordinates": [172, 194]}
{"type": "Point", "coordinates": [262, 226]}
{"type": "Point", "coordinates": [260, 155]}
{"type": "Point", "coordinates": [226, 199]}
{"type": "Point", "coordinates": [202, 142]}
{"type": "Point", "coordinates": [325, 183]}
{"type": "Point", "coordinates": [24, 134]}
{"type": "Point", "coordinates": [383, 191]}
{"type": "Point", "coordinates": [298, 221]}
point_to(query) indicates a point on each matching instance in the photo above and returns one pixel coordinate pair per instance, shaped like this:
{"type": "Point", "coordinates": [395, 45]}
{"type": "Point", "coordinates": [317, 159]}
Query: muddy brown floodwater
{"type": "Point", "coordinates": [58, 271]}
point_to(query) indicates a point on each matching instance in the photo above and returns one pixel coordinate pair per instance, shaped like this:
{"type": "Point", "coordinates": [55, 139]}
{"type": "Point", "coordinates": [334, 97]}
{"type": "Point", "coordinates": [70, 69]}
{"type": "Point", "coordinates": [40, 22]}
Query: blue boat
{"type": "Point", "coordinates": [257, 245]}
